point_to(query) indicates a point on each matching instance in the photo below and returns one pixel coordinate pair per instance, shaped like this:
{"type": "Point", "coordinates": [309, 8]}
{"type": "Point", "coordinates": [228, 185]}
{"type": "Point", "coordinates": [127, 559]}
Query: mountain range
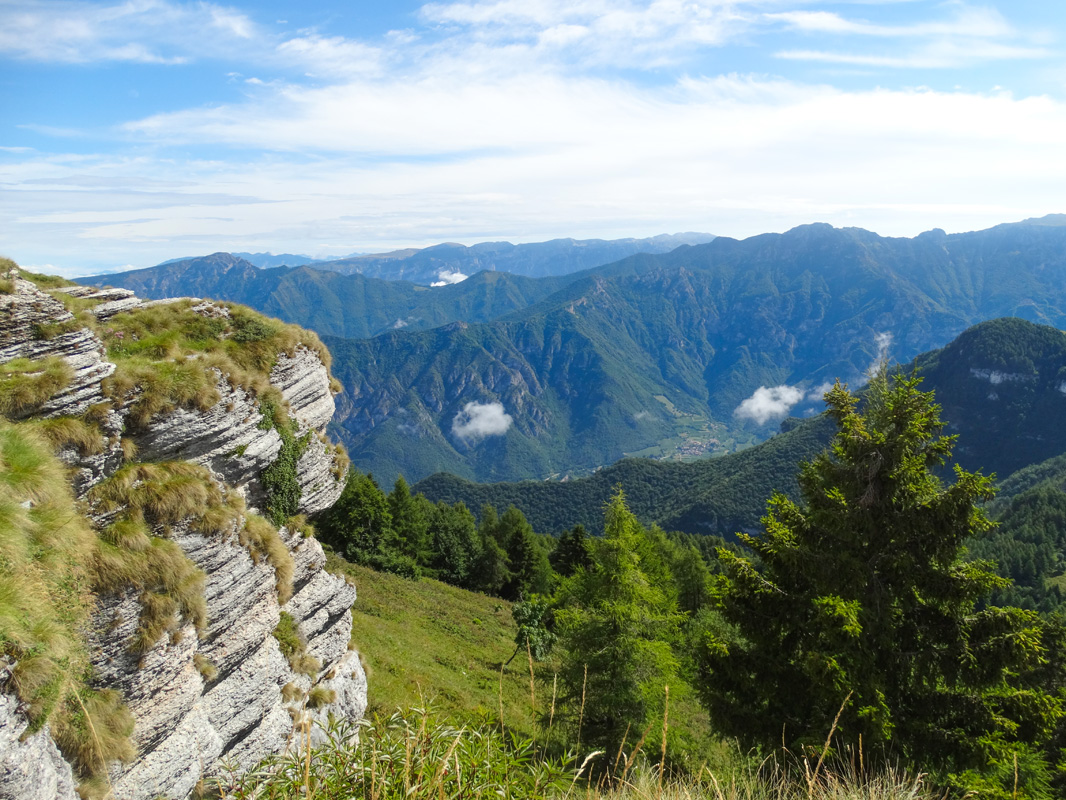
{"type": "Point", "coordinates": [447, 263]}
{"type": "Point", "coordinates": [1002, 388]}
{"type": "Point", "coordinates": [352, 306]}
{"type": "Point", "coordinates": [450, 262]}
{"type": "Point", "coordinates": [699, 351]}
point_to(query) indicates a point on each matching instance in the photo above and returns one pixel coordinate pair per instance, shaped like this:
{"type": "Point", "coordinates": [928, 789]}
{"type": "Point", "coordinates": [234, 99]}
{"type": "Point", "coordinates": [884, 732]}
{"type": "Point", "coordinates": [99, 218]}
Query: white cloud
{"type": "Point", "coordinates": [971, 36]}
{"type": "Point", "coordinates": [883, 341]}
{"type": "Point", "coordinates": [766, 404]}
{"type": "Point", "coordinates": [941, 55]}
{"type": "Point", "coordinates": [449, 278]}
{"type": "Point", "coordinates": [333, 56]}
{"type": "Point", "coordinates": [968, 22]}
{"type": "Point", "coordinates": [478, 420]}
{"type": "Point", "coordinates": [483, 123]}
{"type": "Point", "coordinates": [818, 392]}
{"type": "Point", "coordinates": [542, 156]}
{"type": "Point", "coordinates": [143, 31]}
{"type": "Point", "coordinates": [619, 33]}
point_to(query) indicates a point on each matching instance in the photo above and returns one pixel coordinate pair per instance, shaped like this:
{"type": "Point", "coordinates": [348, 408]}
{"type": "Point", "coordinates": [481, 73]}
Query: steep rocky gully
{"type": "Point", "coordinates": [216, 691]}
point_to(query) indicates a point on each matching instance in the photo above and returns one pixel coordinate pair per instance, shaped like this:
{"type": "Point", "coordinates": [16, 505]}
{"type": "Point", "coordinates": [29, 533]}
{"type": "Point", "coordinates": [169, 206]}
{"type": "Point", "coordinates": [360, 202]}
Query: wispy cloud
{"type": "Point", "coordinates": [141, 31]}
{"type": "Point", "coordinates": [967, 22]}
{"type": "Point", "coordinates": [620, 33]}
{"type": "Point", "coordinates": [376, 164]}
{"type": "Point", "coordinates": [935, 56]}
{"type": "Point", "coordinates": [523, 119]}
{"type": "Point", "coordinates": [970, 36]}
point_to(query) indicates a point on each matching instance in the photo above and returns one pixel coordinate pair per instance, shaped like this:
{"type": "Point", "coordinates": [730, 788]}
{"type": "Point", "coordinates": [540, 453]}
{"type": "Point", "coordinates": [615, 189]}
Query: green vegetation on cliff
{"type": "Point", "coordinates": [48, 566]}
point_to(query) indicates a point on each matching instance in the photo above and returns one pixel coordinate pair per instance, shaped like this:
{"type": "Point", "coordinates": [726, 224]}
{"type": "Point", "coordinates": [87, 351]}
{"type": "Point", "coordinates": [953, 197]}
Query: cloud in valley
{"type": "Point", "coordinates": [479, 420]}
{"type": "Point", "coordinates": [767, 404]}
{"type": "Point", "coordinates": [883, 341]}
{"type": "Point", "coordinates": [449, 278]}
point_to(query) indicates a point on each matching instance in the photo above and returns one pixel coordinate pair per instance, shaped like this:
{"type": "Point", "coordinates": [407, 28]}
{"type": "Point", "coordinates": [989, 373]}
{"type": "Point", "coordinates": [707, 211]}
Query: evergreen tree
{"type": "Point", "coordinates": [692, 578]}
{"type": "Point", "coordinates": [410, 520]}
{"type": "Point", "coordinates": [456, 545]}
{"type": "Point", "coordinates": [530, 571]}
{"type": "Point", "coordinates": [493, 570]}
{"type": "Point", "coordinates": [615, 628]}
{"type": "Point", "coordinates": [571, 552]}
{"type": "Point", "coordinates": [359, 523]}
{"type": "Point", "coordinates": [861, 591]}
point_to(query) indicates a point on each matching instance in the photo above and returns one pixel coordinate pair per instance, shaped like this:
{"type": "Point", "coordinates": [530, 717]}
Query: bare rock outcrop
{"type": "Point", "coordinates": [198, 697]}
{"type": "Point", "coordinates": [30, 768]}
{"type": "Point", "coordinates": [34, 325]}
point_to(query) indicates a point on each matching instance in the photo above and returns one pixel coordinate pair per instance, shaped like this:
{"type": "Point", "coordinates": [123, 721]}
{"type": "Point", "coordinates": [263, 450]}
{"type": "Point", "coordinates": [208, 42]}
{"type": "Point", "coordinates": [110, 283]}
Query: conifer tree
{"type": "Point", "coordinates": [615, 629]}
{"type": "Point", "coordinates": [859, 598]}
{"type": "Point", "coordinates": [360, 522]}
{"type": "Point", "coordinates": [493, 571]}
{"type": "Point", "coordinates": [527, 559]}
{"type": "Point", "coordinates": [571, 552]}
{"type": "Point", "coordinates": [410, 520]}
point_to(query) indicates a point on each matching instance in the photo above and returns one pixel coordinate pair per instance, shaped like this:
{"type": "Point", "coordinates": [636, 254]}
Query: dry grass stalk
{"type": "Point", "coordinates": [621, 744]}
{"type": "Point", "coordinates": [633, 756]}
{"type": "Point", "coordinates": [825, 748]}
{"type": "Point", "coordinates": [581, 715]}
{"type": "Point", "coordinates": [532, 690]}
{"type": "Point", "coordinates": [666, 726]}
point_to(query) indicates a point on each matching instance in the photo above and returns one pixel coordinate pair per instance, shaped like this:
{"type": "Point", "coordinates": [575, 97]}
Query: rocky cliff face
{"type": "Point", "coordinates": [224, 691]}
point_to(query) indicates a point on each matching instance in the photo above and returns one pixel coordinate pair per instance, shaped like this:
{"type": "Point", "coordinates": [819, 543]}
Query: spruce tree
{"type": "Point", "coordinates": [859, 598]}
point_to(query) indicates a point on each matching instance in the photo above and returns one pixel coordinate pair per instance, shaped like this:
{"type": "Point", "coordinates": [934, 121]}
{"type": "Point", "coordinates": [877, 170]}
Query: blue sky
{"type": "Point", "coordinates": [139, 131]}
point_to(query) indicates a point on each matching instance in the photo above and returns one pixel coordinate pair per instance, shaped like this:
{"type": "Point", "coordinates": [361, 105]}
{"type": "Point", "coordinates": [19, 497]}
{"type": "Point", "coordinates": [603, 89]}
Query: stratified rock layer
{"type": "Point", "coordinates": [217, 694]}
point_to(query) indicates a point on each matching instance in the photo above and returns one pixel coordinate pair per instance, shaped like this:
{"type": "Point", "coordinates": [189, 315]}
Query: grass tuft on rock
{"type": "Point", "coordinates": [27, 385]}
{"type": "Point", "coordinates": [46, 546]}
{"type": "Point", "coordinates": [71, 432]}
{"type": "Point", "coordinates": [262, 539]}
{"type": "Point", "coordinates": [294, 648]}
{"type": "Point", "coordinates": [158, 496]}
{"type": "Point", "coordinates": [320, 696]}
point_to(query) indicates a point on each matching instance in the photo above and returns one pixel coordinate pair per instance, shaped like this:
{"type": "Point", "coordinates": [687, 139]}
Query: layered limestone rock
{"type": "Point", "coordinates": [34, 325]}
{"type": "Point", "coordinates": [30, 768]}
{"type": "Point", "coordinates": [199, 698]}
{"type": "Point", "coordinates": [219, 696]}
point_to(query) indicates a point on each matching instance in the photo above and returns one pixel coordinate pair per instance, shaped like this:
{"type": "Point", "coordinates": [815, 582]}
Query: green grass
{"type": "Point", "coordinates": [46, 552]}
{"type": "Point", "coordinates": [26, 385]}
{"type": "Point", "coordinates": [427, 641]}
{"type": "Point", "coordinates": [415, 754]}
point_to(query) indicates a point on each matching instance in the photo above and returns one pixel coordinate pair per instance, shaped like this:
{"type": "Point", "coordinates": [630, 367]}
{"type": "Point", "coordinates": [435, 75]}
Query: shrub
{"type": "Point", "coordinates": [280, 479]}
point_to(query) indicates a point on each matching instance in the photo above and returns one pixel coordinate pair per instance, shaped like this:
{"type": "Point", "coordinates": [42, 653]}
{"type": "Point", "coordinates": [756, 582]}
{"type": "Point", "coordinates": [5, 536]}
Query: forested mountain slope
{"type": "Point", "coordinates": [330, 303]}
{"type": "Point", "coordinates": [1002, 427]}
{"type": "Point", "coordinates": [654, 354]}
